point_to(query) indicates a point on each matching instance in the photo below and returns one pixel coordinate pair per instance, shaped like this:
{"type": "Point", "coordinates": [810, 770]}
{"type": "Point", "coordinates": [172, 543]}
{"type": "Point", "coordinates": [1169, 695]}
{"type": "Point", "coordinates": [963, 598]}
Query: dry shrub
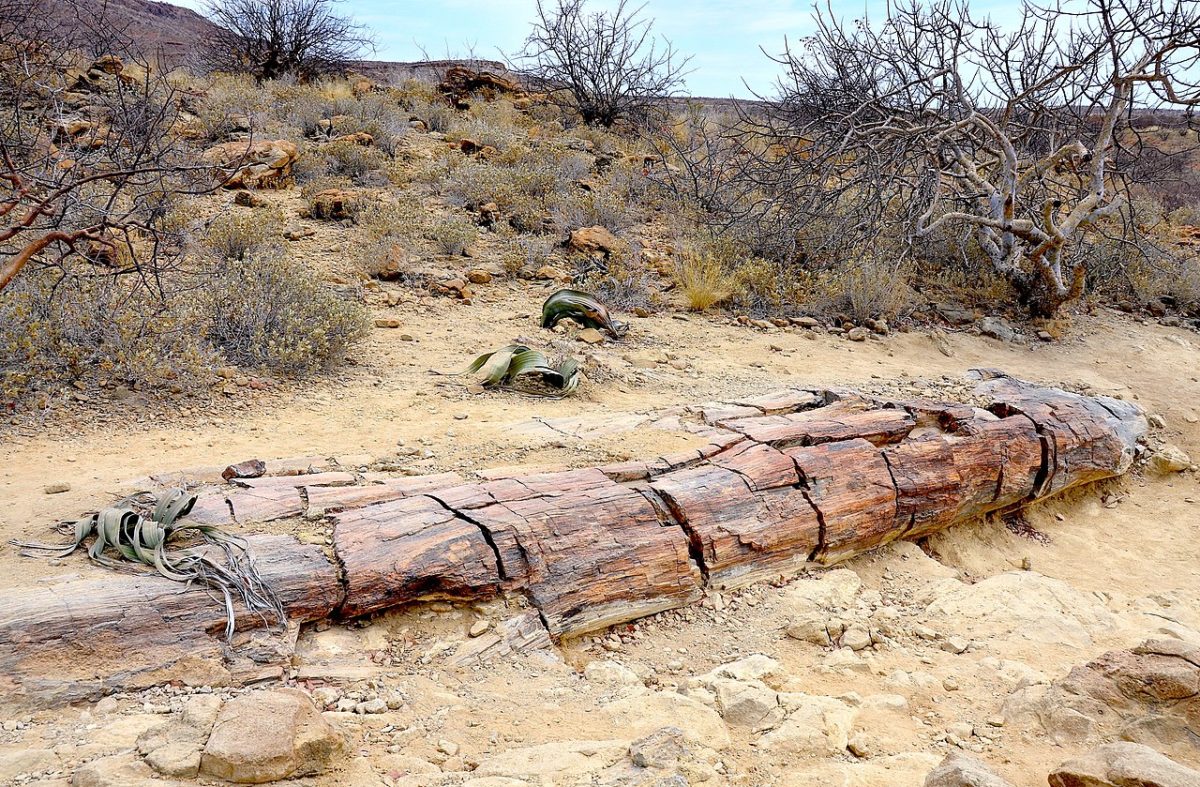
{"type": "Point", "coordinates": [452, 234]}
{"type": "Point", "coordinates": [225, 102]}
{"type": "Point", "coordinates": [266, 312]}
{"type": "Point", "coordinates": [626, 284]}
{"type": "Point", "coordinates": [703, 278]}
{"type": "Point", "coordinates": [240, 232]}
{"type": "Point", "coordinates": [92, 328]}
{"type": "Point", "coordinates": [1176, 276]}
{"type": "Point", "coordinates": [762, 287]}
{"type": "Point", "coordinates": [869, 287]}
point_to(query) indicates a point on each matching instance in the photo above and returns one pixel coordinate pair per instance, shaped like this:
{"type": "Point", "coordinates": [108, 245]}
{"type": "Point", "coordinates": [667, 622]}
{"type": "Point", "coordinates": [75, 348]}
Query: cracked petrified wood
{"type": "Point", "coordinates": [780, 481]}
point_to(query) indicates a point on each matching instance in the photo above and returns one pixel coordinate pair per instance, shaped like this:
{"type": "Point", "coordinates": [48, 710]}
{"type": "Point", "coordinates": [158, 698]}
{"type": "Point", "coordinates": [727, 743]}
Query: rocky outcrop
{"type": "Point", "coordinates": [1123, 765]}
{"type": "Point", "coordinates": [260, 165]}
{"type": "Point", "coordinates": [1150, 694]}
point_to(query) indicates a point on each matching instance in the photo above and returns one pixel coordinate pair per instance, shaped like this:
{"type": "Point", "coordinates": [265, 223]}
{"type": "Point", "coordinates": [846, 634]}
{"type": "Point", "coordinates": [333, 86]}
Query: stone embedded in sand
{"type": "Point", "coordinates": [558, 763]}
{"type": "Point", "coordinates": [270, 735]}
{"type": "Point", "coordinates": [645, 713]}
{"type": "Point", "coordinates": [1169, 459]}
{"type": "Point", "coordinates": [1123, 765]}
{"type": "Point", "coordinates": [174, 748]}
{"type": "Point", "coordinates": [963, 770]}
{"type": "Point", "coordinates": [815, 727]}
{"type": "Point", "coordinates": [123, 770]}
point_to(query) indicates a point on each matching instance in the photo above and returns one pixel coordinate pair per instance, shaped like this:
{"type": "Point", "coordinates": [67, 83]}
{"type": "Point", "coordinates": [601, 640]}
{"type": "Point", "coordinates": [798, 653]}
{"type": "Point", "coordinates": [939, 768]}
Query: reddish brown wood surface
{"type": "Point", "coordinates": [849, 484]}
{"type": "Point", "coordinates": [407, 550]}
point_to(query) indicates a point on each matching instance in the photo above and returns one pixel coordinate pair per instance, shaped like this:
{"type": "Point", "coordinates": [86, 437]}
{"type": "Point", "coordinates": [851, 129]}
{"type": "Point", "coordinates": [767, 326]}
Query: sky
{"type": "Point", "coordinates": [725, 39]}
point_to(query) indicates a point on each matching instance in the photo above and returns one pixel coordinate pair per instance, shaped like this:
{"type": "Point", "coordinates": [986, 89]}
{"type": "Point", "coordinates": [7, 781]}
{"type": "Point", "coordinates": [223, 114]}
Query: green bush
{"type": "Point", "coordinates": [268, 313]}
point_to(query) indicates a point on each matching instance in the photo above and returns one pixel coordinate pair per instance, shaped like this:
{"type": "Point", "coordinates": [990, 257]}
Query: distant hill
{"type": "Point", "coordinates": [160, 31]}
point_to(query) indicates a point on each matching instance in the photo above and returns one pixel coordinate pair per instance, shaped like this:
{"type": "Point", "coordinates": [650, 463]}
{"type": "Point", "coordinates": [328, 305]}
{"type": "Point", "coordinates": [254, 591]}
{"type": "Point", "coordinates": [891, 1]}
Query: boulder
{"type": "Point", "coordinates": [1123, 765]}
{"type": "Point", "coordinates": [997, 328]}
{"type": "Point", "coordinates": [963, 770]}
{"type": "Point", "coordinates": [270, 735]}
{"type": "Point", "coordinates": [594, 240]}
{"type": "Point", "coordinates": [259, 165]}
{"type": "Point", "coordinates": [815, 727]}
{"type": "Point", "coordinates": [1169, 459]}
{"type": "Point", "coordinates": [175, 748]}
{"type": "Point", "coordinates": [332, 205]}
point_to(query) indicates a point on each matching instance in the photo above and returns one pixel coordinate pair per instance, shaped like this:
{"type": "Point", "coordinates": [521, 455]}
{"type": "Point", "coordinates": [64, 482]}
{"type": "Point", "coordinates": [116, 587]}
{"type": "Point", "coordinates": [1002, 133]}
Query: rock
{"type": "Point", "coordinates": [755, 667]}
{"type": "Point", "coordinates": [332, 204]}
{"type": "Point", "coordinates": [832, 590]}
{"type": "Point", "coordinates": [1169, 459]}
{"type": "Point", "coordinates": [857, 334]}
{"type": "Point", "coordinates": [251, 468]}
{"type": "Point", "coordinates": [662, 749]}
{"type": "Point", "coordinates": [955, 314]}
{"type": "Point", "coordinates": [590, 336]}
{"type": "Point", "coordinates": [897, 770]}
{"type": "Point", "coordinates": [1123, 765]}
{"type": "Point", "coordinates": [610, 673]}
{"type": "Point", "coordinates": [387, 322]}
{"type": "Point", "coordinates": [963, 770]}
{"type": "Point", "coordinates": [594, 240]}
{"type": "Point", "coordinates": [264, 164]}
{"type": "Point", "coordinates": [814, 727]}
{"type": "Point", "coordinates": [809, 628]}
{"type": "Point", "coordinates": [376, 705]}
{"type": "Point", "coordinates": [270, 735]}
{"type": "Point", "coordinates": [19, 760]}
{"type": "Point", "coordinates": [746, 703]}
{"type": "Point", "coordinates": [479, 276]}
{"type": "Point", "coordinates": [1021, 605]}
{"type": "Point", "coordinates": [121, 771]}
{"type": "Point", "coordinates": [247, 199]}
{"type": "Point", "coordinates": [563, 762]}
{"type": "Point", "coordinates": [551, 273]}
{"type": "Point", "coordinates": [174, 748]}
{"type": "Point", "coordinates": [856, 637]}
{"type": "Point", "coordinates": [997, 328]}
{"type": "Point", "coordinates": [56, 488]}
{"type": "Point", "coordinates": [645, 713]}
{"type": "Point", "coordinates": [479, 627]}
{"type": "Point", "coordinates": [360, 138]}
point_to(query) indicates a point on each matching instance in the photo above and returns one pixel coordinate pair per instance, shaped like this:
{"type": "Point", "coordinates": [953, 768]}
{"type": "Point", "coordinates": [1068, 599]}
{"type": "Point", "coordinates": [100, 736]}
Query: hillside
{"type": "Point", "coordinates": [157, 30]}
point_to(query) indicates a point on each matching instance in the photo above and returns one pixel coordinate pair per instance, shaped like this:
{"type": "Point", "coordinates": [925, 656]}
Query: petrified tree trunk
{"type": "Point", "coordinates": [80, 639]}
{"type": "Point", "coordinates": [784, 480]}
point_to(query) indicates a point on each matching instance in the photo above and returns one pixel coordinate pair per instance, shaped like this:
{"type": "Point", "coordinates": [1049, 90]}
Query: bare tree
{"type": "Point", "coordinates": [272, 38]}
{"type": "Point", "coordinates": [605, 65]}
{"type": "Point", "coordinates": [88, 163]}
{"type": "Point", "coordinates": [937, 120]}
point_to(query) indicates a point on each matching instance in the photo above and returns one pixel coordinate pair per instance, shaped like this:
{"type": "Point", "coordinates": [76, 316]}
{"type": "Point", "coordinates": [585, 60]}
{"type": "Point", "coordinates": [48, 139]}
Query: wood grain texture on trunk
{"type": "Point", "coordinates": [81, 638]}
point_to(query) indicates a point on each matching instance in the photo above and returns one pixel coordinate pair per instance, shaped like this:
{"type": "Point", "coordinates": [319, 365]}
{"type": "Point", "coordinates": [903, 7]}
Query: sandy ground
{"type": "Point", "coordinates": [1118, 563]}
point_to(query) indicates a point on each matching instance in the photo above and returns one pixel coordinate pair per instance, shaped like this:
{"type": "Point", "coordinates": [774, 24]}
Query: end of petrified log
{"type": "Point", "coordinates": [80, 639]}
{"type": "Point", "coordinates": [1084, 438]}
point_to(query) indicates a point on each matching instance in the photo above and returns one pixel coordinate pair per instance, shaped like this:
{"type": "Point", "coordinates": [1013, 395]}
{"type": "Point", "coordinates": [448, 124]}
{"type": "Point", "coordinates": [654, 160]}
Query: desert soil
{"type": "Point", "coordinates": [1113, 566]}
